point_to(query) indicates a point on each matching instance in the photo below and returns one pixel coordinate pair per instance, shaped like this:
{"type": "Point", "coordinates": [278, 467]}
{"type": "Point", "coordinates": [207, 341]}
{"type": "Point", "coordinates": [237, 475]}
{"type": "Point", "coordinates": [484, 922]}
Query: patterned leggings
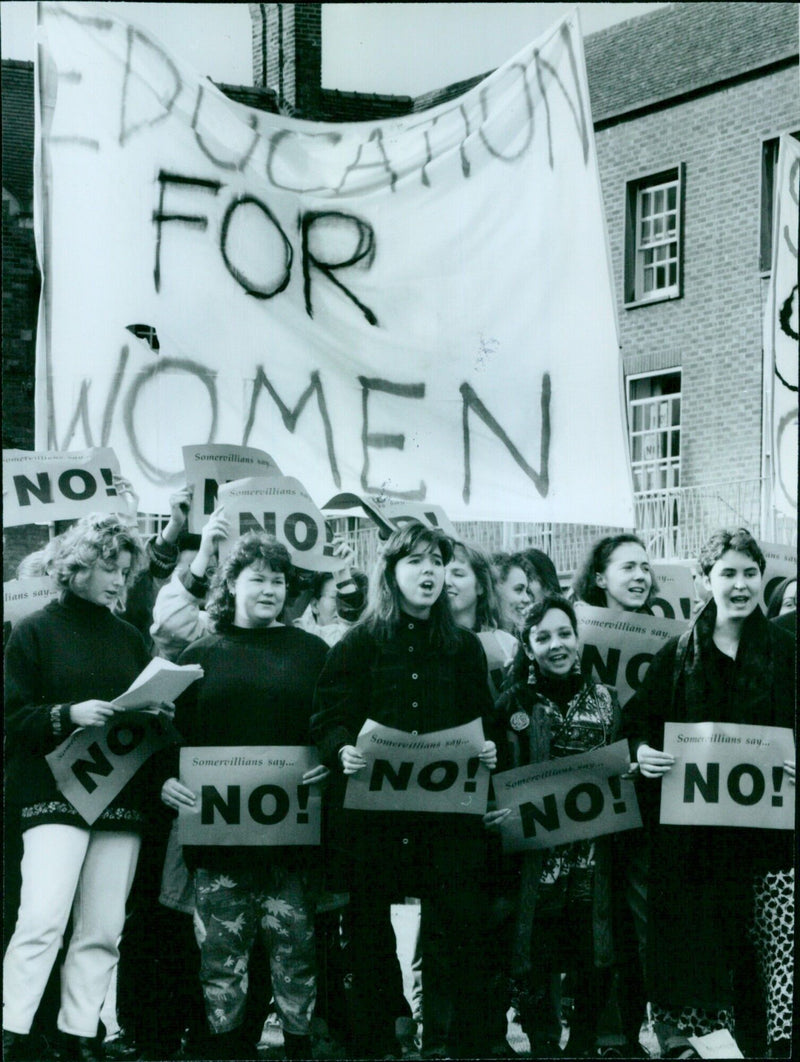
{"type": "Point", "coordinates": [772, 932]}
{"type": "Point", "coordinates": [228, 913]}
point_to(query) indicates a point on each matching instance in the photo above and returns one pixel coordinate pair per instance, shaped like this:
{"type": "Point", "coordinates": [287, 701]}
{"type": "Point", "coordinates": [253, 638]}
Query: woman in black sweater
{"type": "Point", "coordinates": [707, 883]}
{"type": "Point", "coordinates": [64, 665]}
{"type": "Point", "coordinates": [406, 665]}
{"type": "Point", "coordinates": [257, 689]}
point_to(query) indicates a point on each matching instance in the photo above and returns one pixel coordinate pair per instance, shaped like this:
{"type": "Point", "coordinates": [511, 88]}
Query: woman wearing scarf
{"type": "Point", "coordinates": [550, 710]}
{"type": "Point", "coordinates": [708, 883]}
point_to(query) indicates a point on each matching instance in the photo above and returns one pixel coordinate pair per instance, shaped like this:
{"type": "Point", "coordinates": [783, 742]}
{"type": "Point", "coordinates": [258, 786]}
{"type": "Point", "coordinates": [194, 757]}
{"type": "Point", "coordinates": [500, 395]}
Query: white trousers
{"type": "Point", "coordinates": [88, 872]}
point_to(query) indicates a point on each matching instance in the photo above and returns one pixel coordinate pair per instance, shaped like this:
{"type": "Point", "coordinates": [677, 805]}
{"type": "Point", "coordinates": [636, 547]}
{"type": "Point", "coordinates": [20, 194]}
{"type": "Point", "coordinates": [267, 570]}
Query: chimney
{"type": "Point", "coordinates": [287, 54]}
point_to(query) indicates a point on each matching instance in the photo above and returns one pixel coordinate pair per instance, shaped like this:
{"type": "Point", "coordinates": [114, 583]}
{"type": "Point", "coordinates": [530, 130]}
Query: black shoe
{"type": "Point", "coordinates": [78, 1048]}
{"type": "Point", "coordinates": [296, 1046]}
{"type": "Point", "coordinates": [19, 1047]}
{"type": "Point", "coordinates": [123, 1047]}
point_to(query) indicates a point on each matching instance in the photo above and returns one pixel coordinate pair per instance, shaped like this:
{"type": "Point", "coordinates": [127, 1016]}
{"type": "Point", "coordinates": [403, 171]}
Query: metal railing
{"type": "Point", "coordinates": [672, 523]}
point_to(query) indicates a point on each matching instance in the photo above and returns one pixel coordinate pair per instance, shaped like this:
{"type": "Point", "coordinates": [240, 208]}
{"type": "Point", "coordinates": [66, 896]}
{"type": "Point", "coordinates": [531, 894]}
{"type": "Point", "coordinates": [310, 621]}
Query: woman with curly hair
{"type": "Point", "coordinates": [407, 665]}
{"type": "Point", "coordinates": [708, 883]}
{"type": "Point", "coordinates": [257, 686]}
{"type": "Point", "coordinates": [63, 667]}
{"type": "Point", "coordinates": [617, 575]}
{"type": "Point", "coordinates": [550, 710]}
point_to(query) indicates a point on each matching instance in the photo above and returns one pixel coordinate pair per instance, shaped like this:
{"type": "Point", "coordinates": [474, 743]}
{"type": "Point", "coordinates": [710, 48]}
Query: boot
{"type": "Point", "coordinates": [296, 1046]}
{"type": "Point", "coordinates": [70, 1048]}
{"type": "Point", "coordinates": [22, 1047]}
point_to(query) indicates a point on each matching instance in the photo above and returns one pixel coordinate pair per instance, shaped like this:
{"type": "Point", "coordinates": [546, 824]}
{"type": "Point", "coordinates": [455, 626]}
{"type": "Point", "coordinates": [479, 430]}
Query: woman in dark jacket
{"type": "Point", "coordinates": [406, 665]}
{"type": "Point", "coordinates": [257, 687]}
{"type": "Point", "coordinates": [550, 710]}
{"type": "Point", "coordinates": [733, 667]}
{"type": "Point", "coordinates": [64, 665]}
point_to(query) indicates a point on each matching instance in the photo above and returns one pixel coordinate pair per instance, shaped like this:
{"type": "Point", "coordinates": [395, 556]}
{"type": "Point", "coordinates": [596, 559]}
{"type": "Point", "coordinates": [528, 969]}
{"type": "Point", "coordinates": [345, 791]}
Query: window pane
{"type": "Point", "coordinates": [672, 197]}
{"type": "Point", "coordinates": [658, 201]}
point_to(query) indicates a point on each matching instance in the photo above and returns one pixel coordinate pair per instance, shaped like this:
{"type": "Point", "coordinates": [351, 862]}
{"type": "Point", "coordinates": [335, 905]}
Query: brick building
{"type": "Point", "coordinates": [688, 103]}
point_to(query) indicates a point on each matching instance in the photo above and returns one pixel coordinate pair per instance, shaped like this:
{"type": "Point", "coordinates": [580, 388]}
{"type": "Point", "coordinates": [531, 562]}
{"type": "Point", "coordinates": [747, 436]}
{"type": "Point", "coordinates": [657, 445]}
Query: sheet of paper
{"type": "Point", "coordinates": [719, 1044]}
{"type": "Point", "coordinates": [160, 681]}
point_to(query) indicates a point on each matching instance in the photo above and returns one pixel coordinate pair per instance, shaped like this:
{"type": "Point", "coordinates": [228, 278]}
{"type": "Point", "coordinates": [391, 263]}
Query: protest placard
{"type": "Point", "coordinates": [675, 596]}
{"type": "Point", "coordinates": [728, 774]}
{"type": "Point", "coordinates": [617, 647]}
{"type": "Point", "coordinates": [41, 487]}
{"type": "Point", "coordinates": [160, 682]}
{"type": "Point", "coordinates": [390, 514]}
{"type": "Point", "coordinates": [781, 564]}
{"type": "Point", "coordinates": [96, 762]}
{"type": "Point", "coordinates": [209, 465]}
{"type": "Point", "coordinates": [568, 799]}
{"type": "Point", "coordinates": [405, 771]}
{"type": "Point", "coordinates": [21, 597]}
{"type": "Point", "coordinates": [250, 795]}
{"type": "Point", "coordinates": [281, 506]}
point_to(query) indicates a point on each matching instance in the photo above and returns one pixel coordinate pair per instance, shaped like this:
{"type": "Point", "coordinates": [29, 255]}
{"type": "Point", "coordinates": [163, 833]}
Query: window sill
{"type": "Point", "coordinates": [651, 299]}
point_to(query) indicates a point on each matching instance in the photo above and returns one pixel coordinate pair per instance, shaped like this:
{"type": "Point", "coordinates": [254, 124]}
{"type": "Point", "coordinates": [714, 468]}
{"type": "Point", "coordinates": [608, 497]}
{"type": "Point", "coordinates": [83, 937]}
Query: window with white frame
{"type": "Point", "coordinates": [653, 237]}
{"type": "Point", "coordinates": [654, 419]}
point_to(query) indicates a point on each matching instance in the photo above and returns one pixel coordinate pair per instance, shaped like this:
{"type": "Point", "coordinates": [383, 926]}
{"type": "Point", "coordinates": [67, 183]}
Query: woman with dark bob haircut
{"type": "Point", "coordinates": [63, 667]}
{"type": "Point", "coordinates": [617, 575]}
{"type": "Point", "coordinates": [708, 884]}
{"type": "Point", "coordinates": [257, 687]}
{"type": "Point", "coordinates": [408, 666]}
{"type": "Point", "coordinates": [549, 710]}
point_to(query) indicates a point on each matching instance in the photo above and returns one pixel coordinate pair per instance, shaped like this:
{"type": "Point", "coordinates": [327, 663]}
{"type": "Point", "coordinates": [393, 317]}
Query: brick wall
{"type": "Point", "coordinates": [714, 331]}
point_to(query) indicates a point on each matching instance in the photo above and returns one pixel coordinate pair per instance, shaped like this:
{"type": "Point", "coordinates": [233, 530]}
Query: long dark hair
{"type": "Point", "coordinates": [598, 559]}
{"type": "Point", "coordinates": [382, 615]}
{"type": "Point", "coordinates": [543, 569]}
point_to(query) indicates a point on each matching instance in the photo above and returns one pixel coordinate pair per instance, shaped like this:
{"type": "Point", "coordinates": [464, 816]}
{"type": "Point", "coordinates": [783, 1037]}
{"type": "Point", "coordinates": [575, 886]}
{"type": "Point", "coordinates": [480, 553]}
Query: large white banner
{"type": "Point", "coordinates": [419, 308]}
{"type": "Point", "coordinates": [781, 330]}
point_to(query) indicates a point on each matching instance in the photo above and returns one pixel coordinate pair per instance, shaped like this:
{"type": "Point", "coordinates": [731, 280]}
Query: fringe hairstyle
{"type": "Point", "coordinates": [585, 582]}
{"type": "Point", "coordinates": [520, 669]}
{"type": "Point", "coordinates": [96, 537]}
{"type": "Point", "coordinates": [255, 547]}
{"type": "Point", "coordinates": [382, 615]}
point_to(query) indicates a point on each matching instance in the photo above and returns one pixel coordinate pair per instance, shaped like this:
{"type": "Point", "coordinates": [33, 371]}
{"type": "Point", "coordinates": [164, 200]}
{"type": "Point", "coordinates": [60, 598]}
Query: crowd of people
{"type": "Point", "coordinates": [123, 943]}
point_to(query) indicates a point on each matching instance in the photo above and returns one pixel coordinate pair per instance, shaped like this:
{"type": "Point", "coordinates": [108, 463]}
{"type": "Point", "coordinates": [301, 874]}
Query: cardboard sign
{"type": "Point", "coordinates": [420, 772]}
{"type": "Point", "coordinates": [675, 590]}
{"type": "Point", "coordinates": [96, 762]}
{"type": "Point", "coordinates": [21, 597]}
{"type": "Point", "coordinates": [281, 506]}
{"type": "Point", "coordinates": [341, 294]}
{"type": "Point", "coordinates": [39, 488]}
{"type": "Point", "coordinates": [250, 795]}
{"type": "Point", "coordinates": [618, 646]}
{"type": "Point", "coordinates": [212, 464]}
{"type": "Point", "coordinates": [390, 515]}
{"type": "Point", "coordinates": [728, 775]}
{"type": "Point", "coordinates": [568, 799]}
{"type": "Point", "coordinates": [781, 564]}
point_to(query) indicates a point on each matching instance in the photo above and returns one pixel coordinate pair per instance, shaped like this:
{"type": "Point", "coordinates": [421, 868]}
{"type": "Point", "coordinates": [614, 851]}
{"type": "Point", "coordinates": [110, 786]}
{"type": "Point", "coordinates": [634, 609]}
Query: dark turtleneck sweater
{"type": "Point", "coordinates": [256, 689]}
{"type": "Point", "coordinates": [68, 652]}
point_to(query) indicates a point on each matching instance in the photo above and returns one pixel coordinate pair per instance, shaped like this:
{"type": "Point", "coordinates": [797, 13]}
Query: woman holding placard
{"type": "Point", "coordinates": [406, 665]}
{"type": "Point", "coordinates": [257, 688]}
{"type": "Point", "coordinates": [617, 575]}
{"type": "Point", "coordinates": [550, 710]}
{"type": "Point", "coordinates": [64, 665]}
{"type": "Point", "coordinates": [731, 667]}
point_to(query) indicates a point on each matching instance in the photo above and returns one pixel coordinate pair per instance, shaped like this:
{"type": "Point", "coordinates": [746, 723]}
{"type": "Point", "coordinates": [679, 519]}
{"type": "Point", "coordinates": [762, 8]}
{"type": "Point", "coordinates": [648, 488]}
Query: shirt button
{"type": "Point", "coordinates": [414, 675]}
{"type": "Point", "coordinates": [414, 732]}
{"type": "Point", "coordinates": [411, 626]}
{"type": "Point", "coordinates": [411, 648]}
{"type": "Point", "coordinates": [415, 704]}
{"type": "Point", "coordinates": [405, 840]}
